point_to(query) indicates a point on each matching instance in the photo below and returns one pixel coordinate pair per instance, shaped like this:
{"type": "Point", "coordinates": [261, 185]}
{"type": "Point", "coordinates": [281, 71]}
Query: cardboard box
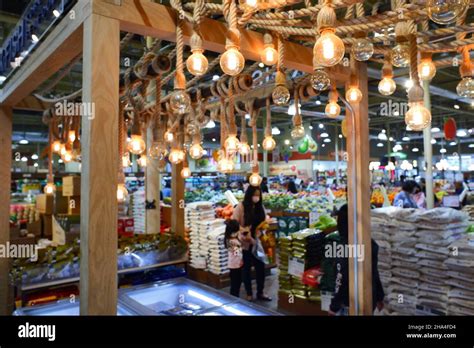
{"type": "Point", "coordinates": [45, 204]}
{"type": "Point", "coordinates": [60, 202]}
{"type": "Point", "coordinates": [74, 205]}
{"type": "Point", "coordinates": [71, 186]}
{"type": "Point", "coordinates": [47, 223]}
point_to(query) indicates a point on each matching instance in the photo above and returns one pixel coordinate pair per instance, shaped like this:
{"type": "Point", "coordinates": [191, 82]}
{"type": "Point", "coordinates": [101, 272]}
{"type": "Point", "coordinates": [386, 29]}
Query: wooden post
{"type": "Point", "coordinates": [358, 178]}
{"type": "Point", "coordinates": [428, 151]}
{"type": "Point", "coordinates": [98, 284]}
{"type": "Point", "coordinates": [177, 200]}
{"type": "Point", "coordinates": [5, 180]}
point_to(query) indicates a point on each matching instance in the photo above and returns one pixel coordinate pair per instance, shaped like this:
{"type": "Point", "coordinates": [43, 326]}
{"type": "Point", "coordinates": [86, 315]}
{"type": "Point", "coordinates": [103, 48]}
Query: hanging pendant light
{"type": "Point", "coordinates": [268, 143]}
{"type": "Point", "coordinates": [232, 62]}
{"type": "Point", "coordinates": [269, 55]}
{"type": "Point", "coordinates": [387, 85]}
{"type": "Point", "coordinates": [446, 11]}
{"type": "Point", "coordinates": [465, 87]}
{"type": "Point", "coordinates": [426, 68]}
{"type": "Point", "coordinates": [281, 94]}
{"type": "Point", "coordinates": [333, 109]}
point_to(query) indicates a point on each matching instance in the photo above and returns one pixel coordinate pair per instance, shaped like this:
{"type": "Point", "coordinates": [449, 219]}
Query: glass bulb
{"type": "Point", "coordinates": [446, 11]}
{"type": "Point", "coordinates": [320, 80]}
{"type": "Point", "coordinates": [71, 136]}
{"type": "Point", "coordinates": [297, 132]}
{"type": "Point", "coordinates": [232, 61]}
{"type": "Point", "coordinates": [67, 157]}
{"type": "Point", "coordinates": [387, 86]}
{"type": "Point", "coordinates": [465, 87]}
{"type": "Point", "coordinates": [269, 143]}
{"type": "Point", "coordinates": [231, 144]}
{"type": "Point", "coordinates": [196, 151]}
{"type": "Point", "coordinates": [122, 193]}
{"type": "Point", "coordinates": [362, 49]}
{"type": "Point", "coordinates": [255, 179]}
{"type": "Point", "coordinates": [192, 129]}
{"type": "Point", "coordinates": [354, 95]}
{"type": "Point", "coordinates": [169, 136]}
{"type": "Point", "coordinates": [126, 160]}
{"type": "Point", "coordinates": [176, 156]}
{"type": "Point", "coordinates": [50, 188]}
{"type": "Point", "coordinates": [225, 165]}
{"type": "Point", "coordinates": [280, 95]}
{"type": "Point", "coordinates": [328, 49]}
{"type": "Point", "coordinates": [63, 150]}
{"type": "Point", "coordinates": [56, 146]}
{"type": "Point", "coordinates": [157, 151]}
{"type": "Point", "coordinates": [185, 172]}
{"type": "Point", "coordinates": [250, 4]}
{"type": "Point", "coordinates": [269, 55]}
{"type": "Point", "coordinates": [142, 161]}
{"type": "Point", "coordinates": [427, 70]}
{"type": "Point", "coordinates": [197, 63]}
{"type": "Point", "coordinates": [180, 102]}
{"type": "Point", "coordinates": [401, 56]}
{"type": "Point", "coordinates": [417, 117]}
{"type": "Point", "coordinates": [332, 109]}
{"type": "Point", "coordinates": [136, 145]}
{"type": "Point", "coordinates": [244, 149]}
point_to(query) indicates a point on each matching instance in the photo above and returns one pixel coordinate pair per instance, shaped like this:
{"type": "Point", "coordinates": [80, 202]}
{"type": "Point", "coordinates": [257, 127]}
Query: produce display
{"type": "Point", "coordinates": [225, 212]}
{"type": "Point", "coordinates": [304, 202]}
{"type": "Point", "coordinates": [24, 212]}
{"type": "Point", "coordinates": [324, 222]}
{"type": "Point", "coordinates": [377, 197]}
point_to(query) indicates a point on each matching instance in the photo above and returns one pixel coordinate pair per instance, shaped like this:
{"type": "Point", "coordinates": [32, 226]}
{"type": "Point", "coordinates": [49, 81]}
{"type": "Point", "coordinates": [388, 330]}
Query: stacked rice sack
{"type": "Point", "coordinates": [285, 251]}
{"type": "Point", "coordinates": [437, 229]}
{"type": "Point", "coordinates": [460, 265]}
{"type": "Point", "coordinates": [217, 259]}
{"type": "Point", "coordinates": [198, 218]}
{"type": "Point", "coordinates": [394, 230]}
{"type": "Point", "coordinates": [138, 210]}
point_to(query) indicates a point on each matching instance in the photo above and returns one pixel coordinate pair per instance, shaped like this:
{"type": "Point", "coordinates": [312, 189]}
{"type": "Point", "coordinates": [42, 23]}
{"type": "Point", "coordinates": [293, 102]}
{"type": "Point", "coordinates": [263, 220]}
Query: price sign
{"type": "Point", "coordinates": [295, 267]}
{"type": "Point", "coordinates": [313, 217]}
{"type": "Point", "coordinates": [326, 298]}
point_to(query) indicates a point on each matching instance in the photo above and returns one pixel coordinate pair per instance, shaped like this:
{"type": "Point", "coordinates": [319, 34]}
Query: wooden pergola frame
{"type": "Point", "coordinates": [93, 29]}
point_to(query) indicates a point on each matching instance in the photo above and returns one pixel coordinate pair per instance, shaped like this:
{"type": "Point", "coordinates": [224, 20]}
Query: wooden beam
{"type": "Point", "coordinates": [59, 48]}
{"type": "Point", "coordinates": [358, 183]}
{"type": "Point", "coordinates": [151, 19]}
{"type": "Point", "coordinates": [100, 159]}
{"type": "Point", "coordinates": [5, 179]}
{"type": "Point", "coordinates": [177, 200]}
{"type": "Point", "coordinates": [32, 103]}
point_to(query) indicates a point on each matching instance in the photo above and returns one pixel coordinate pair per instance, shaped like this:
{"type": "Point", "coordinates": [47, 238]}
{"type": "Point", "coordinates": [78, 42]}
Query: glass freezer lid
{"type": "Point", "coordinates": [175, 297]}
{"type": "Point", "coordinates": [63, 308]}
{"type": "Point", "coordinates": [236, 309]}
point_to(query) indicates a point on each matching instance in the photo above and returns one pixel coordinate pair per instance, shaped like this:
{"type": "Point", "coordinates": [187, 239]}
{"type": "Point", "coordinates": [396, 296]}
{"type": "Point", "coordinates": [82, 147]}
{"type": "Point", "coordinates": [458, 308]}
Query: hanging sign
{"type": "Point", "coordinates": [296, 267]}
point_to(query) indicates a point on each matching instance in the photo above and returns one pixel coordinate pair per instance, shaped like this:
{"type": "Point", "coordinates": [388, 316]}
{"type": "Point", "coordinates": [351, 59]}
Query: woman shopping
{"type": "Point", "coordinates": [251, 214]}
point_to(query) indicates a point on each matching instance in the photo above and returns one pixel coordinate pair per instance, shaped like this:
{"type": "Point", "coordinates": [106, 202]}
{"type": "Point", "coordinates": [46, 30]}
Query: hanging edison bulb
{"type": "Point", "coordinates": [122, 193]}
{"type": "Point", "coordinates": [251, 5]}
{"type": "Point", "coordinates": [50, 188]}
{"type": "Point", "coordinates": [180, 101]}
{"type": "Point", "coordinates": [426, 69]}
{"type": "Point", "coordinates": [244, 149]}
{"type": "Point", "coordinates": [269, 55]}
{"type": "Point", "coordinates": [142, 161]}
{"type": "Point", "coordinates": [225, 165]}
{"type": "Point", "coordinates": [56, 146]}
{"type": "Point", "coordinates": [446, 11]}
{"type": "Point", "coordinates": [401, 55]}
{"type": "Point", "coordinates": [62, 150]}
{"type": "Point", "coordinates": [387, 86]}
{"type": "Point", "coordinates": [354, 95]}
{"type": "Point", "coordinates": [71, 136]}
{"type": "Point", "coordinates": [169, 136]}
{"type": "Point", "coordinates": [232, 62]}
{"type": "Point", "coordinates": [176, 156]}
{"type": "Point", "coordinates": [185, 172]}
{"type": "Point", "coordinates": [297, 132]}
{"type": "Point", "coordinates": [126, 160]}
{"type": "Point", "coordinates": [362, 49]}
{"type": "Point", "coordinates": [231, 144]}
{"type": "Point", "coordinates": [465, 87]}
{"type": "Point", "coordinates": [255, 179]}
{"type": "Point", "coordinates": [417, 117]}
{"type": "Point", "coordinates": [320, 80]}
{"type": "Point", "coordinates": [196, 151]}
{"type": "Point", "coordinates": [328, 49]}
{"type": "Point", "coordinates": [332, 109]}
{"type": "Point", "coordinates": [197, 63]}
{"type": "Point", "coordinates": [269, 143]}
{"type": "Point", "coordinates": [67, 157]}
{"type": "Point", "coordinates": [280, 95]}
{"type": "Point", "coordinates": [136, 145]}
{"type": "Point", "coordinates": [157, 150]}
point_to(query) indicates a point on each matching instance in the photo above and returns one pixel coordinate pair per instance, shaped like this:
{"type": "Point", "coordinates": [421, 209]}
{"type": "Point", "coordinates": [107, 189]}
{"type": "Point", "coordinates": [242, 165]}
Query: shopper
{"type": "Point", "coordinates": [292, 187]}
{"type": "Point", "coordinates": [264, 185]}
{"type": "Point", "coordinates": [250, 214]}
{"type": "Point", "coordinates": [340, 302]}
{"type": "Point", "coordinates": [419, 197]}
{"type": "Point", "coordinates": [404, 199]}
{"type": "Point", "coordinates": [235, 261]}
{"type": "Point", "coordinates": [167, 189]}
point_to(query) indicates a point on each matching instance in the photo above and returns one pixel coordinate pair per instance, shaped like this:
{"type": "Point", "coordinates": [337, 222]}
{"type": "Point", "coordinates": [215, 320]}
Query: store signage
{"type": "Point", "coordinates": [284, 169]}
{"type": "Point", "coordinates": [296, 267]}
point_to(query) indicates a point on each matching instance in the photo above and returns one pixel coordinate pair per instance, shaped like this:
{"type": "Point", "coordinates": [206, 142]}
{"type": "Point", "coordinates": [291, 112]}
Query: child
{"type": "Point", "coordinates": [235, 262]}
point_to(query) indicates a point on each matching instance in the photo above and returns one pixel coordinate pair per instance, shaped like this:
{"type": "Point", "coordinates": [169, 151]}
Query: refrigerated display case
{"type": "Point", "coordinates": [184, 297]}
{"type": "Point", "coordinates": [64, 308]}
